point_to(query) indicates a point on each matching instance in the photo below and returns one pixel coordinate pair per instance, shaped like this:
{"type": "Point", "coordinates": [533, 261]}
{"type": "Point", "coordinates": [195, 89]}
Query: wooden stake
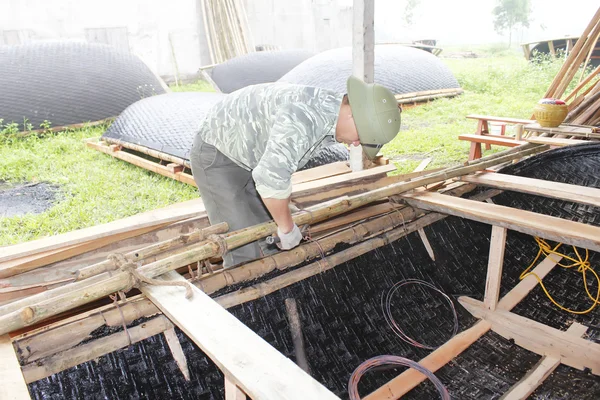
{"type": "Point", "coordinates": [495, 263]}
{"type": "Point", "coordinates": [426, 243]}
{"type": "Point", "coordinates": [177, 352]}
{"type": "Point", "coordinates": [297, 337]}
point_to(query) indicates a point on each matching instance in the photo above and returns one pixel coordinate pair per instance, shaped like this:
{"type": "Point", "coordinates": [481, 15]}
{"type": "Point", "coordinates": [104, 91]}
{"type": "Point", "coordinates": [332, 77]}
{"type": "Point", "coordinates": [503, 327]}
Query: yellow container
{"type": "Point", "coordinates": [550, 115]}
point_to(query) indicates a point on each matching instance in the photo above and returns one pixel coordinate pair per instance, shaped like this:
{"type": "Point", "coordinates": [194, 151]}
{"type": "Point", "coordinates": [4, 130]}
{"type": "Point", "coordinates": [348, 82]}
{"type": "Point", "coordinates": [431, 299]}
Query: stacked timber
{"type": "Point", "coordinates": [583, 101]}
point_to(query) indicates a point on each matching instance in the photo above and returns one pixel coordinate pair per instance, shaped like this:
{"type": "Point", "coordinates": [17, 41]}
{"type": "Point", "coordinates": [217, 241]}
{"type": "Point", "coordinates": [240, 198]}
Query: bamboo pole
{"type": "Point", "coordinates": [148, 251]}
{"type": "Point", "coordinates": [50, 341]}
{"type": "Point", "coordinates": [557, 82]}
{"type": "Point", "coordinates": [87, 352]}
{"type": "Point", "coordinates": [54, 305]}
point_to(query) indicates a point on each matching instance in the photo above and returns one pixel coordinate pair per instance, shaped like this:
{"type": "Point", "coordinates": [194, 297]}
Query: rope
{"type": "Point", "coordinates": [221, 243]}
{"type": "Point", "coordinates": [391, 360]}
{"type": "Point", "coordinates": [115, 300]}
{"type": "Point", "coordinates": [583, 265]}
{"type": "Point", "coordinates": [135, 277]}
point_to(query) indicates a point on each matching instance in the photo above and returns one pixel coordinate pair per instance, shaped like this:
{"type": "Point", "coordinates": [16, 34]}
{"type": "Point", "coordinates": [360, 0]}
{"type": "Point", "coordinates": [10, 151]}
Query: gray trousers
{"type": "Point", "coordinates": [229, 195]}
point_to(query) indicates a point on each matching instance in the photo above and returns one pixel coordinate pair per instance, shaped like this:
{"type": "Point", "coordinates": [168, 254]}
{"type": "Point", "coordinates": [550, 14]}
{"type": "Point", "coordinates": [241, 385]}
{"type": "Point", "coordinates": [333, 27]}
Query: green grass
{"type": "Point", "coordinates": [96, 188]}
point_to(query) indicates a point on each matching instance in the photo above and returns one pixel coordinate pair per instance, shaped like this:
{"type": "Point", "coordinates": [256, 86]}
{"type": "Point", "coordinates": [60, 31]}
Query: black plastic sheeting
{"type": "Point", "coordinates": [343, 324]}
{"type": "Point", "coordinates": [70, 82]}
{"type": "Point", "coordinates": [257, 67]}
{"type": "Point", "coordinates": [168, 123]}
{"type": "Point", "coordinates": [400, 68]}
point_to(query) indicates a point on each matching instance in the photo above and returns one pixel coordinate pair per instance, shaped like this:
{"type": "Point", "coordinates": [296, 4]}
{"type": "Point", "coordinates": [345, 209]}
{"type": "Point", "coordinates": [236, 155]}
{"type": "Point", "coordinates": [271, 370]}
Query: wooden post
{"type": "Point", "coordinates": [11, 379]}
{"type": "Point", "coordinates": [363, 54]}
{"type": "Point", "coordinates": [296, 330]}
{"type": "Point", "coordinates": [232, 392]}
{"type": "Point", "coordinates": [495, 263]}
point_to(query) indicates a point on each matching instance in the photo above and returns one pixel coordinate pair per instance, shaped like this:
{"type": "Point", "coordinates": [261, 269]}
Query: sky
{"type": "Point", "coordinates": [471, 21]}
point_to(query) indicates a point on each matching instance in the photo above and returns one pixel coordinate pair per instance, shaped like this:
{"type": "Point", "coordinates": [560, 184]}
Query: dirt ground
{"type": "Point", "coordinates": [29, 198]}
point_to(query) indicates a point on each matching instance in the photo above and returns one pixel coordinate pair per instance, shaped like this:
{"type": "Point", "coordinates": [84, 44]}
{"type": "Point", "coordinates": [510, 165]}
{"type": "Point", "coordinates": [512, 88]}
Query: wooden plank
{"type": "Point", "coordinates": [232, 392]}
{"type": "Point", "coordinates": [253, 365]}
{"type": "Point", "coordinates": [11, 379]}
{"type": "Point", "coordinates": [555, 190]}
{"type": "Point", "coordinates": [324, 171]}
{"type": "Point", "coordinates": [422, 165]}
{"type": "Point", "coordinates": [558, 229]}
{"type": "Point", "coordinates": [489, 139]}
{"type": "Point", "coordinates": [344, 180]}
{"type": "Point", "coordinates": [358, 186]}
{"type": "Point", "coordinates": [538, 338]}
{"type": "Point", "coordinates": [495, 264]}
{"type": "Point", "coordinates": [507, 120]}
{"type": "Point", "coordinates": [353, 216]}
{"type": "Point", "coordinates": [534, 378]}
{"type": "Point", "coordinates": [556, 142]}
{"type": "Point", "coordinates": [441, 356]}
{"type": "Point", "coordinates": [21, 265]}
{"type": "Point", "coordinates": [172, 213]}
{"type": "Point", "coordinates": [143, 163]}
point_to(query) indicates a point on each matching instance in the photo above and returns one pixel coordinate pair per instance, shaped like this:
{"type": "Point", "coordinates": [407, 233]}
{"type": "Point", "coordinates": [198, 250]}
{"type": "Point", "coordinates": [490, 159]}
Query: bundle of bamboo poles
{"type": "Point", "coordinates": [102, 282]}
{"type": "Point", "coordinates": [584, 101]}
{"type": "Point", "coordinates": [227, 31]}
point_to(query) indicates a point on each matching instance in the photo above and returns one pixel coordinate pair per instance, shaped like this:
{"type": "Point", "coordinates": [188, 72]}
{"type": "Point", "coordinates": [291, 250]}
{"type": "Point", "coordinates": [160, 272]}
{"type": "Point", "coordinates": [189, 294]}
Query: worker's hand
{"type": "Point", "coordinates": [289, 240]}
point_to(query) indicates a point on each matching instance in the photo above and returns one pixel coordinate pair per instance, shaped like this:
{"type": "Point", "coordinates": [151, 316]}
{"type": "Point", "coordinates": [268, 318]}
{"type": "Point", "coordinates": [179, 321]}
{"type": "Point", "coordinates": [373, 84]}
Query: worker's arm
{"type": "Point", "coordinates": [280, 211]}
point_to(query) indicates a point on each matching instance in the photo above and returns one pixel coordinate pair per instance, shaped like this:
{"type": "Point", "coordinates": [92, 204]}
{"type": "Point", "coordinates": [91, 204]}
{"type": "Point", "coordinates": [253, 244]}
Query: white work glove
{"type": "Point", "coordinates": [289, 240]}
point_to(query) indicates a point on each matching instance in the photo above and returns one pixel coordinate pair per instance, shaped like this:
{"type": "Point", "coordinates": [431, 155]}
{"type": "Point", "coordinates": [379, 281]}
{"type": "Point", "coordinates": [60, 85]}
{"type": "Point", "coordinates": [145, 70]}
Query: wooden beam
{"type": "Point", "coordinates": [538, 338]}
{"type": "Point", "coordinates": [172, 213]}
{"type": "Point", "coordinates": [43, 368]}
{"type": "Point", "coordinates": [253, 365]}
{"type": "Point", "coordinates": [441, 356]}
{"type": "Point", "coordinates": [555, 190]}
{"type": "Point", "coordinates": [555, 142]}
{"type": "Point", "coordinates": [321, 172]}
{"type": "Point", "coordinates": [232, 392]}
{"type": "Point", "coordinates": [11, 379]}
{"type": "Point", "coordinates": [177, 352]}
{"type": "Point", "coordinates": [558, 229]}
{"type": "Point", "coordinates": [495, 264]}
{"type": "Point", "coordinates": [534, 378]}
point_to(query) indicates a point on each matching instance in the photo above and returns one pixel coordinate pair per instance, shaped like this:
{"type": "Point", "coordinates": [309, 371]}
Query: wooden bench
{"type": "Point", "coordinates": [477, 140]}
{"type": "Point", "coordinates": [483, 129]}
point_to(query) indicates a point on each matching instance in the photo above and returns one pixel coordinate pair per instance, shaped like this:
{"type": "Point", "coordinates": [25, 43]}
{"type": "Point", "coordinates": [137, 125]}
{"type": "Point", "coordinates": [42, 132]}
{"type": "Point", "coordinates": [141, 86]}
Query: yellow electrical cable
{"type": "Point", "coordinates": [583, 266]}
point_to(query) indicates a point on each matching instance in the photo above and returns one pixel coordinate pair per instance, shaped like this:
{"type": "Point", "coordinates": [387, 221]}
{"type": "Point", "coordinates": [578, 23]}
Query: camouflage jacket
{"type": "Point", "coordinates": [272, 129]}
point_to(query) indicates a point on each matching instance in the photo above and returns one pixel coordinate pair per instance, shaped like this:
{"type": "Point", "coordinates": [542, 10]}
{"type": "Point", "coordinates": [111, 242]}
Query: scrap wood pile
{"type": "Point", "coordinates": [49, 325]}
{"type": "Point", "coordinates": [584, 101]}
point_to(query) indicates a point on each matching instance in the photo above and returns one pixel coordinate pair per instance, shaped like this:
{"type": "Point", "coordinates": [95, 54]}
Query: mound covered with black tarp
{"type": "Point", "coordinates": [400, 68]}
{"type": "Point", "coordinates": [70, 82]}
{"type": "Point", "coordinates": [256, 67]}
{"type": "Point", "coordinates": [343, 323]}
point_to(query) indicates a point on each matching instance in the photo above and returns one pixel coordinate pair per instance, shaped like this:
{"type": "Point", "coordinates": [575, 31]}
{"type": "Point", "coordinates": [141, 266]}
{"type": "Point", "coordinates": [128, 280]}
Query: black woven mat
{"type": "Point", "coordinates": [343, 323]}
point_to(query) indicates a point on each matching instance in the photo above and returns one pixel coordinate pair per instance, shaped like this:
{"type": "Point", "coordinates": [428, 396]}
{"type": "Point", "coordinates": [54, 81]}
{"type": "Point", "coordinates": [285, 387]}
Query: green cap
{"type": "Point", "coordinates": [375, 112]}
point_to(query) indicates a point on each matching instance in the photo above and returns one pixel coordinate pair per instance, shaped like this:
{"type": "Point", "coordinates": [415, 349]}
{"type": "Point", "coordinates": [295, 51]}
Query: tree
{"type": "Point", "coordinates": [510, 13]}
{"type": "Point", "coordinates": [409, 10]}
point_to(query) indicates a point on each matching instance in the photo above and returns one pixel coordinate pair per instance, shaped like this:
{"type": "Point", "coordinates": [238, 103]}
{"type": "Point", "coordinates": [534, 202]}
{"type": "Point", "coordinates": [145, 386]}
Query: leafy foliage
{"type": "Point", "coordinates": [510, 13]}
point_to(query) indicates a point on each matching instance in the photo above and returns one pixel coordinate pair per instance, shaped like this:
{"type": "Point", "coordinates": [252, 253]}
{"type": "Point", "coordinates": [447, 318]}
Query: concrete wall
{"type": "Point", "coordinates": [315, 25]}
{"type": "Point", "coordinates": [150, 27]}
